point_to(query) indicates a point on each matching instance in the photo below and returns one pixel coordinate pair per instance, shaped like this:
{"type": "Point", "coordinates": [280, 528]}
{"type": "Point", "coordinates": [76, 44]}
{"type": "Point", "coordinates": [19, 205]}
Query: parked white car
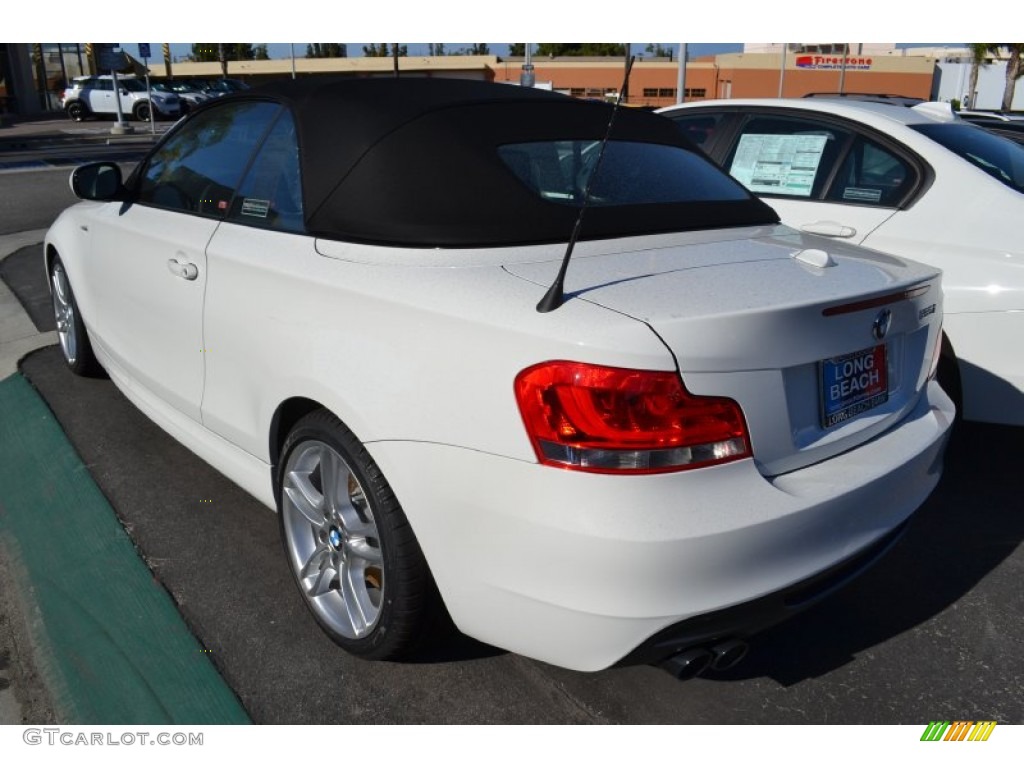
{"type": "Point", "coordinates": [717, 422]}
{"type": "Point", "coordinates": [916, 182]}
{"type": "Point", "coordinates": [94, 95]}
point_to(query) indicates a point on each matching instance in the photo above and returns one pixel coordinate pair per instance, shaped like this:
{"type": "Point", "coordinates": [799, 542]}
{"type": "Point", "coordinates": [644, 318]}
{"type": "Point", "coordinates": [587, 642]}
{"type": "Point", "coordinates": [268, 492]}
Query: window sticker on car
{"type": "Point", "coordinates": [253, 207]}
{"type": "Point", "coordinates": [862, 195]}
{"type": "Point", "coordinates": [773, 163]}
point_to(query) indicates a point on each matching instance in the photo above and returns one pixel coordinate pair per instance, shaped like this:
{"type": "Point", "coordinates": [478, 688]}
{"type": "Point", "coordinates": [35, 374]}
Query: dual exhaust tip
{"type": "Point", "coordinates": [694, 661]}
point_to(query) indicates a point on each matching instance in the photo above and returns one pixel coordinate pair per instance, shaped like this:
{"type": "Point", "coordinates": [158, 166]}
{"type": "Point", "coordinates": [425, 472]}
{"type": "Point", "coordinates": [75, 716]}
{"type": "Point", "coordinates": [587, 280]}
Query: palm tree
{"type": "Point", "coordinates": [1013, 72]}
{"type": "Point", "coordinates": [980, 53]}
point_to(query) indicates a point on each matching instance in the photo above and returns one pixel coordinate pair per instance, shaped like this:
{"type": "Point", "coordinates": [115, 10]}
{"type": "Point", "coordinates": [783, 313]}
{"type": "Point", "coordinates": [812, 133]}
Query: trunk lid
{"type": "Point", "coordinates": [823, 345]}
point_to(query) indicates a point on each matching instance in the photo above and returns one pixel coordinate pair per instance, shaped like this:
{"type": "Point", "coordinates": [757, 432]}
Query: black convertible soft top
{"type": "Point", "coordinates": [414, 161]}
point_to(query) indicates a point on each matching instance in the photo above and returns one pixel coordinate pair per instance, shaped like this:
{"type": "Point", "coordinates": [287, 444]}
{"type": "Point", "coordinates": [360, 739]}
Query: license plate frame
{"type": "Point", "coordinates": [852, 384]}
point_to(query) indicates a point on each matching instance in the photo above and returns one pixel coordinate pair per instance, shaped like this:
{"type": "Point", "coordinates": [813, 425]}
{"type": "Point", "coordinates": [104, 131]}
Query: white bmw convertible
{"type": "Point", "coordinates": [347, 298]}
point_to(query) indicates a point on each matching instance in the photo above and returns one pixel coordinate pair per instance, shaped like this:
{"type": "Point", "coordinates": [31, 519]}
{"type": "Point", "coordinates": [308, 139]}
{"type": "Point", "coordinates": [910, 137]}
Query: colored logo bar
{"type": "Point", "coordinates": [958, 730]}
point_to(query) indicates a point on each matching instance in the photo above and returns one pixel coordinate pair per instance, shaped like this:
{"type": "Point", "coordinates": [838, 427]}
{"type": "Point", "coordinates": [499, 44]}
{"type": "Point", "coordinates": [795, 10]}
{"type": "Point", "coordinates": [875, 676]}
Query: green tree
{"type": "Point", "coordinates": [436, 49]}
{"type": "Point", "coordinates": [518, 49]}
{"type": "Point", "coordinates": [658, 50]}
{"type": "Point", "coordinates": [240, 51]}
{"type": "Point", "coordinates": [232, 51]}
{"type": "Point", "coordinates": [261, 52]}
{"type": "Point", "coordinates": [205, 51]}
{"type": "Point", "coordinates": [384, 49]}
{"type": "Point", "coordinates": [326, 51]}
{"type": "Point", "coordinates": [581, 49]}
{"type": "Point", "coordinates": [479, 49]}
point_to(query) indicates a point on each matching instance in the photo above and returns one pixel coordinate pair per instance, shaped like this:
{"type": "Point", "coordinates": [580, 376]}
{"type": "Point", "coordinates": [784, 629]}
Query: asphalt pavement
{"type": "Point", "coordinates": [57, 142]}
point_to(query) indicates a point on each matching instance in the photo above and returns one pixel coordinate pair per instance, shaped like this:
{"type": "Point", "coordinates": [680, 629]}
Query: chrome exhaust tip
{"type": "Point", "coordinates": [688, 664]}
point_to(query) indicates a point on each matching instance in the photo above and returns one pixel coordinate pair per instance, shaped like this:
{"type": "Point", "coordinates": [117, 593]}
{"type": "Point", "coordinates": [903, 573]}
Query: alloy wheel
{"type": "Point", "coordinates": [331, 539]}
{"type": "Point", "coordinates": [64, 314]}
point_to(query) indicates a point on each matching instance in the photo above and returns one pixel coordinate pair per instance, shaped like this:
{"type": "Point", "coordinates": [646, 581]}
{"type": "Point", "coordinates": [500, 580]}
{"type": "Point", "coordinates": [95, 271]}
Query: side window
{"type": "Point", "coordinates": [271, 193]}
{"type": "Point", "coordinates": [698, 128]}
{"type": "Point", "coordinates": [787, 156]}
{"type": "Point", "coordinates": [100, 85]}
{"type": "Point", "coordinates": [200, 165]}
{"type": "Point", "coordinates": [872, 175]}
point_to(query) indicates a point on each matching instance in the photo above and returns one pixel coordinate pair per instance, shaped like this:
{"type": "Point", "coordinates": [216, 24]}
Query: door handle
{"type": "Point", "coordinates": [185, 270]}
{"type": "Point", "coordinates": [829, 229]}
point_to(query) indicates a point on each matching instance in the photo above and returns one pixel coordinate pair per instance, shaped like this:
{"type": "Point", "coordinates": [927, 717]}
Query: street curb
{"type": "Point", "coordinates": [109, 643]}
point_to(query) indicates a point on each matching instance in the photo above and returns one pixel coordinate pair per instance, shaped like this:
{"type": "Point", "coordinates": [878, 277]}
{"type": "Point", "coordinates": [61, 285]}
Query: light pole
{"type": "Point", "coordinates": [526, 78]}
{"type": "Point", "coordinates": [681, 77]}
{"type": "Point", "coordinates": [782, 69]}
{"type": "Point", "coordinates": [625, 88]}
{"type": "Point", "coordinates": [842, 72]}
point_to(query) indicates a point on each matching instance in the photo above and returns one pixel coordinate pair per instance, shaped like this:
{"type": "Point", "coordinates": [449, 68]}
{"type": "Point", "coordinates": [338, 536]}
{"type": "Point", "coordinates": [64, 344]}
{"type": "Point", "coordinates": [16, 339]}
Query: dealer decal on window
{"type": "Point", "coordinates": [254, 207]}
{"type": "Point", "coordinates": [862, 195]}
{"type": "Point", "coordinates": [779, 164]}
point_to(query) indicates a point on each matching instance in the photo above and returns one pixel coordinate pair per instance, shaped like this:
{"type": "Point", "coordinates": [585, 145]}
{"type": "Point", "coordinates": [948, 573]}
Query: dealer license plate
{"type": "Point", "coordinates": [852, 384]}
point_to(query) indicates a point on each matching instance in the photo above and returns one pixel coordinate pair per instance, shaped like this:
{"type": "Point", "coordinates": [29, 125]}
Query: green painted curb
{"type": "Point", "coordinates": [108, 640]}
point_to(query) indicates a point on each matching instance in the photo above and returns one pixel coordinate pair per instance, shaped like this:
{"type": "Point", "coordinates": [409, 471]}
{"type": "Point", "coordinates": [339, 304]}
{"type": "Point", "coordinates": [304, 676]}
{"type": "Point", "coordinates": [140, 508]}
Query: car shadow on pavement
{"type": "Point", "coordinates": [971, 523]}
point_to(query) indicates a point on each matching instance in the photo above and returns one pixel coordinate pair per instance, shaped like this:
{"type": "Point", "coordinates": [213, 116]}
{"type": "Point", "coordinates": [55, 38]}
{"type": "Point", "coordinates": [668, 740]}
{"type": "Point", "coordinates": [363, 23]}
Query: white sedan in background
{"type": "Point", "coordinates": [916, 182]}
{"type": "Point", "coordinates": [330, 292]}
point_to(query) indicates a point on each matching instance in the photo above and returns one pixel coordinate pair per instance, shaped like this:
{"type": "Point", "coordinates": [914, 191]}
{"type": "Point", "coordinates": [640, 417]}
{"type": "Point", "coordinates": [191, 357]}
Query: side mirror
{"type": "Point", "coordinates": [98, 181]}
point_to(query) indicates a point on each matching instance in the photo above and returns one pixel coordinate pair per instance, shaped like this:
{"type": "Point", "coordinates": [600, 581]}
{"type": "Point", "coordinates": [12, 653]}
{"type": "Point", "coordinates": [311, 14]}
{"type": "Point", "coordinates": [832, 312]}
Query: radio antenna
{"type": "Point", "coordinates": [556, 293]}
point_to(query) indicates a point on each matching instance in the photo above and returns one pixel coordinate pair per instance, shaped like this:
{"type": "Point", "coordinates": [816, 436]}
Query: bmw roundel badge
{"type": "Point", "coordinates": [881, 325]}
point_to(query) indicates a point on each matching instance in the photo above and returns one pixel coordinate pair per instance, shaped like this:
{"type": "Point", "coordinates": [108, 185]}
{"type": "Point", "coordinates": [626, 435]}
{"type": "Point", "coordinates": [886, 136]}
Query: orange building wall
{"type": "Point", "coordinates": [717, 82]}
{"type": "Point", "coordinates": [759, 83]}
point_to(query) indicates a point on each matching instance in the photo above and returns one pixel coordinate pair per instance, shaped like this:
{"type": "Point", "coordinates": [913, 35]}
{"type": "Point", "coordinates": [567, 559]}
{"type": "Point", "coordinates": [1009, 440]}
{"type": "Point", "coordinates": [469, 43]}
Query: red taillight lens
{"type": "Point", "coordinates": [599, 419]}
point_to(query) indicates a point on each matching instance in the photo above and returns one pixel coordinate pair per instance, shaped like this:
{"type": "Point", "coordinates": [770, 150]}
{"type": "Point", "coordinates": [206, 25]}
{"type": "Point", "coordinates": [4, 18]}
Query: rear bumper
{"type": "Point", "coordinates": [742, 621]}
{"type": "Point", "coordinates": [584, 571]}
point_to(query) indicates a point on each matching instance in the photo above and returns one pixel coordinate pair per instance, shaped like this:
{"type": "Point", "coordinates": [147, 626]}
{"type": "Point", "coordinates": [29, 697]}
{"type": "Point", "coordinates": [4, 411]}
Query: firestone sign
{"type": "Point", "coordinates": [833, 62]}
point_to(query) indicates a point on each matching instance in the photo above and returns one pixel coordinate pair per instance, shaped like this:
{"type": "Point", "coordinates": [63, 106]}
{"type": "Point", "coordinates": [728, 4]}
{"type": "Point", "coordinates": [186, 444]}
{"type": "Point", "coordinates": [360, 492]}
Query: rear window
{"type": "Point", "coordinates": [631, 173]}
{"type": "Point", "coordinates": [999, 157]}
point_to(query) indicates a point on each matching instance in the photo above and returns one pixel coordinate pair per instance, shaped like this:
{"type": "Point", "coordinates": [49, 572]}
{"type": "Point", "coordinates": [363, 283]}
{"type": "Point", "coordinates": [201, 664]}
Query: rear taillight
{"type": "Point", "coordinates": [615, 420]}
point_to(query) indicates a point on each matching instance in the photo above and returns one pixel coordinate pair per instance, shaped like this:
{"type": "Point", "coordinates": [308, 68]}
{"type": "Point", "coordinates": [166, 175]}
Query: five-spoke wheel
{"type": "Point", "coordinates": [71, 332]}
{"type": "Point", "coordinates": [349, 545]}
{"type": "Point", "coordinates": [333, 540]}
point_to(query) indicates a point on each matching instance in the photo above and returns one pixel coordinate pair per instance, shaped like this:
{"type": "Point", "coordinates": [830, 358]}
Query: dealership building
{"type": "Point", "coordinates": [32, 76]}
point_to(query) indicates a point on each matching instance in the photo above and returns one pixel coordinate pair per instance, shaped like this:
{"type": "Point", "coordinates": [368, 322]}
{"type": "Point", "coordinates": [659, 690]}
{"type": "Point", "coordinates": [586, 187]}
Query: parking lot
{"type": "Point", "coordinates": [932, 632]}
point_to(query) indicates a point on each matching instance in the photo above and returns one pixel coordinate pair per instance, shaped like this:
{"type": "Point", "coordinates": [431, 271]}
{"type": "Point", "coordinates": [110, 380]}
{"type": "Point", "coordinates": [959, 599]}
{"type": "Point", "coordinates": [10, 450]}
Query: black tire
{"type": "Point", "coordinates": [76, 111]}
{"type": "Point", "coordinates": [355, 559]}
{"type": "Point", "coordinates": [141, 111]}
{"type": "Point", "coordinates": [948, 375]}
{"type": "Point", "coordinates": [71, 331]}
